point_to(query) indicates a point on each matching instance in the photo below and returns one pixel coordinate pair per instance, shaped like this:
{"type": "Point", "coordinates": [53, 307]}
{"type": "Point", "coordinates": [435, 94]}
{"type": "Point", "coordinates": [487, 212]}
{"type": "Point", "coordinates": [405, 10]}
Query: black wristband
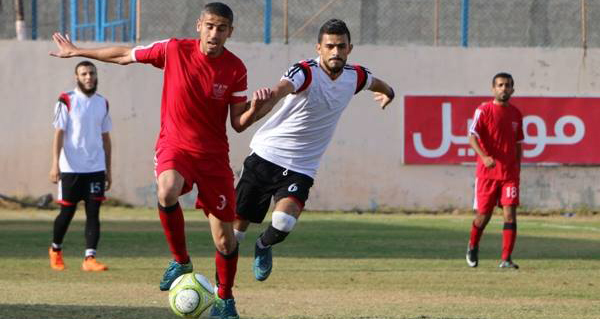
{"type": "Point", "coordinates": [392, 95]}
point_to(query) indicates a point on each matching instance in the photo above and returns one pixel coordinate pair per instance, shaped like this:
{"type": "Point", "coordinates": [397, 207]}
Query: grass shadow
{"type": "Point", "coordinates": [45, 311]}
{"type": "Point", "coordinates": [311, 239]}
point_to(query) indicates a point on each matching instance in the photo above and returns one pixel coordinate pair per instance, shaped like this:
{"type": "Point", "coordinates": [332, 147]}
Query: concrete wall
{"type": "Point", "coordinates": [362, 168]}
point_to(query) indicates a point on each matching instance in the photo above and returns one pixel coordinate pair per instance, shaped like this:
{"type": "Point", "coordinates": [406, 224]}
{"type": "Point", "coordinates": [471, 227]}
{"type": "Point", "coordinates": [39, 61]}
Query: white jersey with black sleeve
{"type": "Point", "coordinates": [83, 119]}
{"type": "Point", "coordinates": [297, 135]}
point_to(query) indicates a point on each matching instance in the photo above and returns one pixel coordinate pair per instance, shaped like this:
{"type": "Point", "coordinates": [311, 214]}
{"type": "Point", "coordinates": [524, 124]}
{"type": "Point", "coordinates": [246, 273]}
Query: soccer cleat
{"type": "Point", "coordinates": [508, 264]}
{"type": "Point", "coordinates": [223, 308]}
{"type": "Point", "coordinates": [214, 311]}
{"type": "Point", "coordinates": [473, 256]}
{"type": "Point", "coordinates": [173, 271]}
{"type": "Point", "coordinates": [263, 263]}
{"type": "Point", "coordinates": [56, 259]}
{"type": "Point", "coordinates": [91, 264]}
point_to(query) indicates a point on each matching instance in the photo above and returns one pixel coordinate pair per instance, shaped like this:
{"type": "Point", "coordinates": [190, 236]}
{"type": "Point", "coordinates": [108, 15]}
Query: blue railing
{"type": "Point", "coordinates": [82, 24]}
{"type": "Point", "coordinates": [464, 21]}
{"type": "Point", "coordinates": [267, 21]}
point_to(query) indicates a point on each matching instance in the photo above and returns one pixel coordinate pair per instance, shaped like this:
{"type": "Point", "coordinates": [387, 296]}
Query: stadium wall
{"type": "Point", "coordinates": [362, 168]}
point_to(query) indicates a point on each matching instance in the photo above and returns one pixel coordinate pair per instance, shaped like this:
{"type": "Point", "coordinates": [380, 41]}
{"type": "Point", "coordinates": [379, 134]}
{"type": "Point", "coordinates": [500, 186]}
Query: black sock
{"type": "Point", "coordinates": [92, 223]}
{"type": "Point", "coordinates": [272, 236]}
{"type": "Point", "coordinates": [61, 223]}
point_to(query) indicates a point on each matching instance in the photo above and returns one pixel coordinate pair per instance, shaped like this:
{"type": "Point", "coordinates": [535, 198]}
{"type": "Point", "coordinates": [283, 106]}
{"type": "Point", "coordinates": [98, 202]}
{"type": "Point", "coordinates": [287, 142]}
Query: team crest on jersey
{"type": "Point", "coordinates": [219, 91]}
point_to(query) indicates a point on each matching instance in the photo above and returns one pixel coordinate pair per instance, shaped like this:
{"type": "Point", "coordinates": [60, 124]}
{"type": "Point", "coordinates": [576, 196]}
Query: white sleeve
{"type": "Point", "coordinates": [476, 125]}
{"type": "Point", "coordinates": [61, 116]}
{"type": "Point", "coordinates": [369, 80]}
{"type": "Point", "coordinates": [294, 75]}
{"type": "Point", "coordinates": [106, 123]}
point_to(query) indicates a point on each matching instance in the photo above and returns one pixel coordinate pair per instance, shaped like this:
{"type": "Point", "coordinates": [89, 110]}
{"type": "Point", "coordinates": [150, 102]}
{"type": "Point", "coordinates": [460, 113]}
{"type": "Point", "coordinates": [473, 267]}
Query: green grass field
{"type": "Point", "coordinates": [333, 266]}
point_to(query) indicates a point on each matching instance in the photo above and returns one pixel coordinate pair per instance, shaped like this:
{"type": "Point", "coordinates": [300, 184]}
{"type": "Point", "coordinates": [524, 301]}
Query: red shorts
{"type": "Point", "coordinates": [212, 175]}
{"type": "Point", "coordinates": [490, 193]}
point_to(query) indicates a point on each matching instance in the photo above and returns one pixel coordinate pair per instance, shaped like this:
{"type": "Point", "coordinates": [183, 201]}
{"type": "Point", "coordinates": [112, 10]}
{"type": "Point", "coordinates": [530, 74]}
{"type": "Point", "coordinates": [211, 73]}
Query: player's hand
{"type": "Point", "coordinates": [54, 174]}
{"type": "Point", "coordinates": [382, 99]}
{"type": "Point", "coordinates": [260, 97]}
{"type": "Point", "coordinates": [108, 177]}
{"type": "Point", "coordinates": [489, 162]}
{"type": "Point", "coordinates": [66, 48]}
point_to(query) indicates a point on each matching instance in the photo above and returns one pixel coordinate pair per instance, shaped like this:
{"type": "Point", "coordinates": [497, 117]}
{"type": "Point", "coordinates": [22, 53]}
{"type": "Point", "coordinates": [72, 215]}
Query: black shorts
{"type": "Point", "coordinates": [262, 180]}
{"type": "Point", "coordinates": [74, 187]}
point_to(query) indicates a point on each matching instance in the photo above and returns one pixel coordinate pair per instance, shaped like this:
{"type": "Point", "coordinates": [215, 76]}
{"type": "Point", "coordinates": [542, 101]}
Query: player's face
{"type": "Point", "coordinates": [333, 51]}
{"type": "Point", "coordinates": [87, 79]}
{"type": "Point", "coordinates": [502, 89]}
{"type": "Point", "coordinates": [214, 31]}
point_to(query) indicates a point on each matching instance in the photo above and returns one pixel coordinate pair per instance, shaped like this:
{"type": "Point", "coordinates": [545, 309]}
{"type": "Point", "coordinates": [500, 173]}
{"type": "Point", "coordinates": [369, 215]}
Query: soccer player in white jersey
{"type": "Point", "coordinates": [81, 158]}
{"type": "Point", "coordinates": [287, 149]}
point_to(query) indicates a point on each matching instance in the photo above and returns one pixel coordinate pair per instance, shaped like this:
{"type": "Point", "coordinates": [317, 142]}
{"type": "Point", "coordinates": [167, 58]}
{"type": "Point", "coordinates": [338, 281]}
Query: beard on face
{"type": "Point", "coordinates": [503, 97]}
{"type": "Point", "coordinates": [85, 91]}
{"type": "Point", "coordinates": [335, 69]}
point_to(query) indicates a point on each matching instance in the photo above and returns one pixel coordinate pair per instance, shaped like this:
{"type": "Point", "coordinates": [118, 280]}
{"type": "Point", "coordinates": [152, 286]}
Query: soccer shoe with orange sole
{"type": "Point", "coordinates": [56, 259]}
{"type": "Point", "coordinates": [91, 264]}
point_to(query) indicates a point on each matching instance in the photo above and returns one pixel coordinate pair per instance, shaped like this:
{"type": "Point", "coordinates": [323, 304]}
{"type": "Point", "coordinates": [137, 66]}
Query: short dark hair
{"type": "Point", "coordinates": [220, 9]}
{"type": "Point", "coordinates": [334, 26]}
{"type": "Point", "coordinates": [84, 63]}
{"type": "Point", "coordinates": [503, 75]}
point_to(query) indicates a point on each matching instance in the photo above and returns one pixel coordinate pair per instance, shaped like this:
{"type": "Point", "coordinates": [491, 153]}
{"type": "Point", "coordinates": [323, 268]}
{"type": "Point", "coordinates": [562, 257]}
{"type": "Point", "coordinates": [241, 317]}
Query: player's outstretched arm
{"type": "Point", "coordinates": [384, 94]}
{"type": "Point", "coordinates": [263, 101]}
{"type": "Point", "coordinates": [281, 90]}
{"type": "Point", "coordinates": [66, 49]}
{"type": "Point", "coordinates": [244, 114]}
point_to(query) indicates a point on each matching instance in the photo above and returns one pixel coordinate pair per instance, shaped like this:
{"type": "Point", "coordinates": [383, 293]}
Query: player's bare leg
{"type": "Point", "coordinates": [479, 223]}
{"type": "Point", "coordinates": [170, 185]}
{"type": "Point", "coordinates": [509, 236]}
{"type": "Point", "coordinates": [226, 258]}
{"type": "Point", "coordinates": [284, 217]}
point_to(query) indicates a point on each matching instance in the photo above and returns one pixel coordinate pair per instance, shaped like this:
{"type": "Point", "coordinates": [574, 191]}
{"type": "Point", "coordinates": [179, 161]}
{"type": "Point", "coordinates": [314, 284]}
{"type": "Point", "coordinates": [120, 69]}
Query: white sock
{"type": "Point", "coordinates": [239, 235]}
{"type": "Point", "coordinates": [56, 246]}
{"type": "Point", "coordinates": [90, 253]}
{"type": "Point", "coordinates": [260, 244]}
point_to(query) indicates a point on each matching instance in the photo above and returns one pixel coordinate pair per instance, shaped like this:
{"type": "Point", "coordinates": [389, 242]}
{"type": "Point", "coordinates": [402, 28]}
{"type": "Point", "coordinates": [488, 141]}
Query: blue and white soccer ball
{"type": "Point", "coordinates": [190, 295]}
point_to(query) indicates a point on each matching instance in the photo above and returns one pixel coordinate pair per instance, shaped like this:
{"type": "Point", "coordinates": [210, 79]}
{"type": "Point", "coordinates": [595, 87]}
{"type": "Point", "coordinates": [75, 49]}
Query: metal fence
{"type": "Point", "coordinates": [473, 23]}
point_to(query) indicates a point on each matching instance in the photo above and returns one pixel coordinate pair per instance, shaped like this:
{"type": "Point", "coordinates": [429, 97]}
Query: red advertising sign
{"type": "Point", "coordinates": [558, 130]}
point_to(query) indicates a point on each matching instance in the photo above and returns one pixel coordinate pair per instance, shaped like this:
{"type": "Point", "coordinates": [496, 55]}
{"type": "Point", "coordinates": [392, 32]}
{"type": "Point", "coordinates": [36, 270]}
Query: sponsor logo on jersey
{"type": "Point", "coordinates": [219, 91]}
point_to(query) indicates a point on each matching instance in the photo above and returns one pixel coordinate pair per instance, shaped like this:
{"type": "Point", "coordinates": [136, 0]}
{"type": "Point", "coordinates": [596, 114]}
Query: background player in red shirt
{"type": "Point", "coordinates": [496, 135]}
{"type": "Point", "coordinates": [203, 81]}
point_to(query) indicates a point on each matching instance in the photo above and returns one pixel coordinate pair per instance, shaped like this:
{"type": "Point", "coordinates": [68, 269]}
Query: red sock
{"type": "Point", "coordinates": [173, 225]}
{"type": "Point", "coordinates": [226, 269]}
{"type": "Point", "coordinates": [476, 233]}
{"type": "Point", "coordinates": [509, 236]}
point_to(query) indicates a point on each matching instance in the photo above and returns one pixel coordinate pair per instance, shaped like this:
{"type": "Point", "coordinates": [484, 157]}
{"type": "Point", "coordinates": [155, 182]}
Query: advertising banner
{"type": "Point", "coordinates": [558, 130]}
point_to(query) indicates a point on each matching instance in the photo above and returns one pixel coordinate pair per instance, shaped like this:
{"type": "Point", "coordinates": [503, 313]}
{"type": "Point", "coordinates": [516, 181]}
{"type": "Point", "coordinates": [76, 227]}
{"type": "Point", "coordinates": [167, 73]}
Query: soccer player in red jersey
{"type": "Point", "coordinates": [496, 135]}
{"type": "Point", "coordinates": [203, 81]}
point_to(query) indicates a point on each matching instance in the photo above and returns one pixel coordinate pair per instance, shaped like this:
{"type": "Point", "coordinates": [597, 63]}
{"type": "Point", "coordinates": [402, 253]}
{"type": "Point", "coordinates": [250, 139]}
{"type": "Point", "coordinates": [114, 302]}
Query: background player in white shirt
{"type": "Point", "coordinates": [287, 149]}
{"type": "Point", "coordinates": [81, 153]}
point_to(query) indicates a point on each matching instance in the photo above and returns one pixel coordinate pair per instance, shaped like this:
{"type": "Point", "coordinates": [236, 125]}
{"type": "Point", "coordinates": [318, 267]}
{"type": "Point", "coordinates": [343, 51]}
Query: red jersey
{"type": "Point", "coordinates": [197, 92]}
{"type": "Point", "coordinates": [498, 128]}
